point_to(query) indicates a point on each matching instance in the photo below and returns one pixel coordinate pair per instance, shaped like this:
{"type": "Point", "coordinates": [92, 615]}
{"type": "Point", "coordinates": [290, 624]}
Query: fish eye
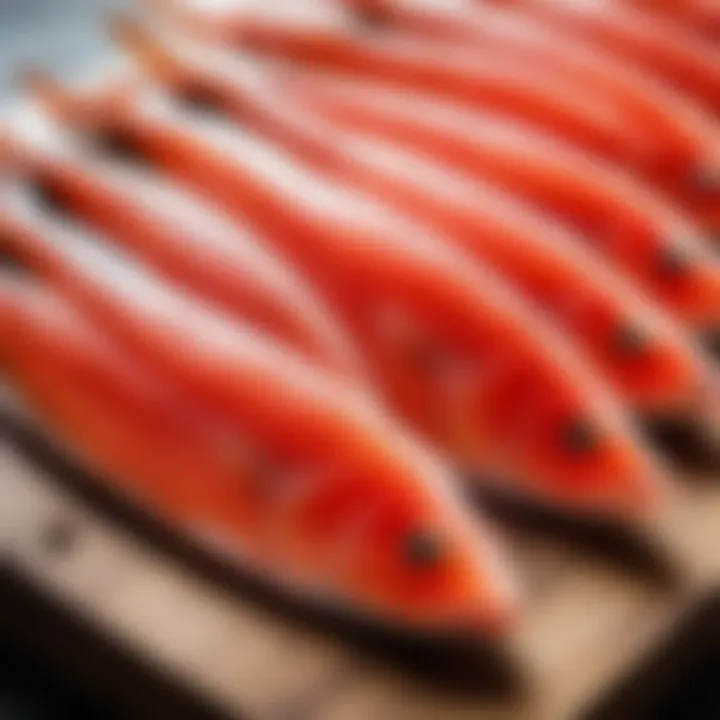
{"type": "Point", "coordinates": [47, 194]}
{"type": "Point", "coordinates": [581, 436]}
{"type": "Point", "coordinates": [119, 144]}
{"type": "Point", "coordinates": [423, 548]}
{"type": "Point", "coordinates": [674, 262]}
{"type": "Point", "coordinates": [629, 341]}
{"type": "Point", "coordinates": [198, 96]}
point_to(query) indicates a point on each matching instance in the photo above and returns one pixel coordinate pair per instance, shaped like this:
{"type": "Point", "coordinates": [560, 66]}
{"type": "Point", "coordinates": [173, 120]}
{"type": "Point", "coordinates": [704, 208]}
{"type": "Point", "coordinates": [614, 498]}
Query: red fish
{"type": "Point", "coordinates": [190, 245]}
{"type": "Point", "coordinates": [678, 145]}
{"type": "Point", "coordinates": [659, 246]}
{"type": "Point", "coordinates": [456, 352]}
{"type": "Point", "coordinates": [348, 508]}
{"type": "Point", "coordinates": [700, 17]}
{"type": "Point", "coordinates": [479, 77]}
{"type": "Point", "coordinates": [320, 38]}
{"type": "Point", "coordinates": [604, 314]}
{"type": "Point", "coordinates": [656, 44]}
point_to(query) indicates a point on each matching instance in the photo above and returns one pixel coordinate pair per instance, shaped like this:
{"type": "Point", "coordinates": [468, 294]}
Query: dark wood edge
{"type": "Point", "coordinates": [642, 694]}
{"type": "Point", "coordinates": [78, 654]}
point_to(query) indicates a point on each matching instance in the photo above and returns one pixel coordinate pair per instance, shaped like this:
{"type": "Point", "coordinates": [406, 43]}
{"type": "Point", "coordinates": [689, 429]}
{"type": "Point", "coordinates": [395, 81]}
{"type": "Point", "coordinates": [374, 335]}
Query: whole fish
{"type": "Point", "coordinates": [188, 244]}
{"type": "Point", "coordinates": [677, 144]}
{"type": "Point", "coordinates": [347, 509]}
{"type": "Point", "coordinates": [658, 245]}
{"type": "Point", "coordinates": [455, 351]}
{"type": "Point", "coordinates": [661, 372]}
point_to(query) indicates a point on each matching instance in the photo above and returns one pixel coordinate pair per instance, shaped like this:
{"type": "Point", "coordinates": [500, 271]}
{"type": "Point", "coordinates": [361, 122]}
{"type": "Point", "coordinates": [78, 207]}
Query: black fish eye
{"type": "Point", "coordinates": [47, 194]}
{"type": "Point", "coordinates": [630, 341]}
{"type": "Point", "coordinates": [581, 436]}
{"type": "Point", "coordinates": [10, 260]}
{"type": "Point", "coordinates": [198, 96]}
{"type": "Point", "coordinates": [423, 548]}
{"type": "Point", "coordinates": [119, 144]}
{"type": "Point", "coordinates": [674, 262]}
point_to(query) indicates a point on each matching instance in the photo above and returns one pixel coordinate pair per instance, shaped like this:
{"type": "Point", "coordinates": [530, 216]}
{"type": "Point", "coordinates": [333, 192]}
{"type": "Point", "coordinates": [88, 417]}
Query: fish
{"type": "Point", "coordinates": [187, 243]}
{"type": "Point", "coordinates": [348, 512]}
{"type": "Point", "coordinates": [700, 17]}
{"type": "Point", "coordinates": [653, 365]}
{"type": "Point", "coordinates": [325, 36]}
{"type": "Point", "coordinates": [655, 42]}
{"type": "Point", "coordinates": [459, 355]}
{"type": "Point", "coordinates": [677, 143]}
{"type": "Point", "coordinates": [658, 246]}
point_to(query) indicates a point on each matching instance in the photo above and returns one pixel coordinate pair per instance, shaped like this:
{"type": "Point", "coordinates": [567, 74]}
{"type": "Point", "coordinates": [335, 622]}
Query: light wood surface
{"type": "Point", "coordinates": [592, 614]}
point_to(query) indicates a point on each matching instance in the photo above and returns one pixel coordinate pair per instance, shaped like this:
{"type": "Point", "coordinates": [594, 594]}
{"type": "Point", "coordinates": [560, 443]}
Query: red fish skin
{"type": "Point", "coordinates": [453, 313]}
{"type": "Point", "coordinates": [327, 40]}
{"type": "Point", "coordinates": [478, 77]}
{"type": "Point", "coordinates": [100, 402]}
{"type": "Point", "coordinates": [629, 224]}
{"type": "Point", "coordinates": [676, 142]}
{"type": "Point", "coordinates": [700, 18]}
{"type": "Point", "coordinates": [221, 262]}
{"type": "Point", "coordinates": [657, 44]}
{"type": "Point", "coordinates": [540, 258]}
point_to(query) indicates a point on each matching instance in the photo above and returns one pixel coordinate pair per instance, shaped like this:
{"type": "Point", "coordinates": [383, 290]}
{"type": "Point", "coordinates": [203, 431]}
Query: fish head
{"type": "Point", "coordinates": [109, 118]}
{"type": "Point", "coordinates": [562, 438]}
{"type": "Point", "coordinates": [174, 63]}
{"type": "Point", "coordinates": [685, 275]}
{"type": "Point", "coordinates": [389, 527]}
{"type": "Point", "coordinates": [655, 359]}
{"type": "Point", "coordinates": [428, 561]}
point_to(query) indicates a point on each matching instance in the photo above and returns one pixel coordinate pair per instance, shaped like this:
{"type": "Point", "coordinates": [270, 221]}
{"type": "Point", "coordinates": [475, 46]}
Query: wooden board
{"type": "Point", "coordinates": [599, 605]}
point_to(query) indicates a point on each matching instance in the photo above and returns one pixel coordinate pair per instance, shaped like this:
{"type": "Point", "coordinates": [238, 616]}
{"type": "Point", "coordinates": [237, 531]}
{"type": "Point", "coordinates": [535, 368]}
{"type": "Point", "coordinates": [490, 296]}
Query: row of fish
{"type": "Point", "coordinates": [287, 278]}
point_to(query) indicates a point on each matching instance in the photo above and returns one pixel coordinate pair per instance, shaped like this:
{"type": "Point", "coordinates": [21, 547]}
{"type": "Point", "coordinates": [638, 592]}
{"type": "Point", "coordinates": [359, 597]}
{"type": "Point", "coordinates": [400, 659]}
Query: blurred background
{"type": "Point", "coordinates": [67, 36]}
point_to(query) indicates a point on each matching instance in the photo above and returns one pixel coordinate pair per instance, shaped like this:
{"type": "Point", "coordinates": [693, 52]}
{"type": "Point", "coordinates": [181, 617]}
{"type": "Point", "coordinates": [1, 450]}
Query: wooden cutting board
{"type": "Point", "coordinates": [600, 605]}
